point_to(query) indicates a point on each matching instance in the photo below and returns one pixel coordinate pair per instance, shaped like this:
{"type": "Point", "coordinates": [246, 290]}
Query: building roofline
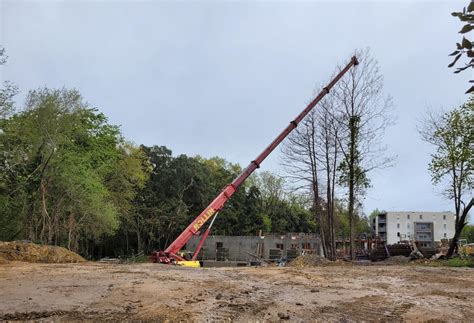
{"type": "Point", "coordinates": [430, 212]}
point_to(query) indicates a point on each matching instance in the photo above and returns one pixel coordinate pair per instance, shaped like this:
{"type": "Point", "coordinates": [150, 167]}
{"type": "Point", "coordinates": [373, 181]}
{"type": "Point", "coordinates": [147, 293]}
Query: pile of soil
{"type": "Point", "coordinates": [32, 252]}
{"type": "Point", "coordinates": [308, 261]}
{"type": "Point", "coordinates": [396, 260]}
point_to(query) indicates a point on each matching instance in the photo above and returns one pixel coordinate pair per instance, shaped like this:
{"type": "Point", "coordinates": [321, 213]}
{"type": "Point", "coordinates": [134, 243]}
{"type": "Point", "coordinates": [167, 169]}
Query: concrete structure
{"type": "Point", "coordinates": [269, 247]}
{"type": "Point", "coordinates": [425, 227]}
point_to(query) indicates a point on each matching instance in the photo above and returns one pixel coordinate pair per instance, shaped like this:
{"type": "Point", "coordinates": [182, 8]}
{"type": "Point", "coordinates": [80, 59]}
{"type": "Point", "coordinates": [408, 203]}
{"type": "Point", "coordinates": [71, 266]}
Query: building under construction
{"type": "Point", "coordinates": [243, 250]}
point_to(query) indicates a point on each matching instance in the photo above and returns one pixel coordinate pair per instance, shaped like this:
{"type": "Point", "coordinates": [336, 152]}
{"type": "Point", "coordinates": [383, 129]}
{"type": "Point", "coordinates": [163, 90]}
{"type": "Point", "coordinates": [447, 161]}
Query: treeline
{"type": "Point", "coordinates": [67, 176]}
{"type": "Point", "coordinates": [70, 178]}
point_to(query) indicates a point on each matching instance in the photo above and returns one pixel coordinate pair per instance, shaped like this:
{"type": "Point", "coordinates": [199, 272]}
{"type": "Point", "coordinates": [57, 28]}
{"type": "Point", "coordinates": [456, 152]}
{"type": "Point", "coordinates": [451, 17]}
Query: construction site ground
{"type": "Point", "coordinates": [100, 291]}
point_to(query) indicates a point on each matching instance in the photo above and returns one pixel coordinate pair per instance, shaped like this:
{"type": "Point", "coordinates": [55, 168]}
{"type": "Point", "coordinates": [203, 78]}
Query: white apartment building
{"type": "Point", "coordinates": [425, 227]}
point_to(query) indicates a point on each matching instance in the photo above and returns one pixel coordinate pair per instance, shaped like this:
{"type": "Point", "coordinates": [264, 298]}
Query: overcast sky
{"type": "Point", "coordinates": [224, 78]}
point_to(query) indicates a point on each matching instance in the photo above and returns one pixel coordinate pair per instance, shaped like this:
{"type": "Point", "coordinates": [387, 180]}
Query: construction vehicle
{"type": "Point", "coordinates": [465, 248]}
{"type": "Point", "coordinates": [172, 254]}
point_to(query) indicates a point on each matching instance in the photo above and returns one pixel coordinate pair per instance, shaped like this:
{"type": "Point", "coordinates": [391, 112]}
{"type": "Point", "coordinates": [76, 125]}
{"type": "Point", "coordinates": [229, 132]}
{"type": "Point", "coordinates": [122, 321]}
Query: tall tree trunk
{"type": "Point", "coordinates": [460, 224]}
{"type": "Point", "coordinates": [44, 212]}
{"type": "Point", "coordinates": [351, 220]}
{"type": "Point", "coordinates": [333, 206]}
{"type": "Point", "coordinates": [319, 217]}
{"type": "Point", "coordinates": [352, 157]}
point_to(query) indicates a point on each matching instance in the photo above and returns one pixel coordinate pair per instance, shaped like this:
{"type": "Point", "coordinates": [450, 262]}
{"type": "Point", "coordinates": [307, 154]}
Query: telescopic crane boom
{"type": "Point", "coordinates": [170, 255]}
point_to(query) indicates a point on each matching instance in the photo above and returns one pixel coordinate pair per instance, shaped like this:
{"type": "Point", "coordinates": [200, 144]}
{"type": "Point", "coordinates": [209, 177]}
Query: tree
{"type": "Point", "coordinates": [68, 177]}
{"type": "Point", "coordinates": [374, 214]}
{"type": "Point", "coordinates": [468, 233]}
{"type": "Point", "coordinates": [465, 47]}
{"type": "Point", "coordinates": [302, 163]}
{"type": "Point", "coordinates": [329, 153]}
{"type": "Point", "coordinates": [341, 140]}
{"type": "Point", "coordinates": [7, 92]}
{"type": "Point", "coordinates": [282, 210]}
{"type": "Point", "coordinates": [452, 164]}
{"type": "Point", "coordinates": [311, 156]}
{"type": "Point", "coordinates": [363, 114]}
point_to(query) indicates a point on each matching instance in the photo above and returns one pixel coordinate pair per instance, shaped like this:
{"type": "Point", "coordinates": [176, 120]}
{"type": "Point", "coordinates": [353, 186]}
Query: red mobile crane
{"type": "Point", "coordinates": [170, 255]}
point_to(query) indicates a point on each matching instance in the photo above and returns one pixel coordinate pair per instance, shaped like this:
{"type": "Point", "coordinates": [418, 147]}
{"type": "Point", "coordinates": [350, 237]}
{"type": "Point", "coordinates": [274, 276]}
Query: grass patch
{"type": "Point", "coordinates": [142, 259]}
{"type": "Point", "coordinates": [453, 262]}
{"type": "Point", "coordinates": [458, 262]}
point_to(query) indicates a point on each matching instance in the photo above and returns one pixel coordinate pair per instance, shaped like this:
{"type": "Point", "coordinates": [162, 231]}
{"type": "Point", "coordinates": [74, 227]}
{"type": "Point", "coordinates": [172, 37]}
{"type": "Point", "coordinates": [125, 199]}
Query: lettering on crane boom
{"type": "Point", "coordinates": [200, 222]}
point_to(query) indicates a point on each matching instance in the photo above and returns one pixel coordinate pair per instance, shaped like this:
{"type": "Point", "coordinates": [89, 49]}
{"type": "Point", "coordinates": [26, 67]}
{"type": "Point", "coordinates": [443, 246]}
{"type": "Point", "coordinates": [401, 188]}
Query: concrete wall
{"type": "Point", "coordinates": [239, 245]}
{"type": "Point", "coordinates": [401, 225]}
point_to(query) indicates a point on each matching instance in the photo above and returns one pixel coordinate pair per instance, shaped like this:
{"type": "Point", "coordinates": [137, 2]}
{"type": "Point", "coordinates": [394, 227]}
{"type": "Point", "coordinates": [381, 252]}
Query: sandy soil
{"type": "Point", "coordinates": [158, 292]}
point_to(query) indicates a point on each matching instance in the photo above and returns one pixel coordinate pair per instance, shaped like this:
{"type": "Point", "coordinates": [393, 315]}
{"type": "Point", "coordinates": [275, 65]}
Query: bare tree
{"type": "Point", "coordinates": [363, 114]}
{"type": "Point", "coordinates": [310, 157]}
{"type": "Point", "coordinates": [338, 144]}
{"type": "Point", "coordinates": [328, 131]}
{"type": "Point", "coordinates": [300, 160]}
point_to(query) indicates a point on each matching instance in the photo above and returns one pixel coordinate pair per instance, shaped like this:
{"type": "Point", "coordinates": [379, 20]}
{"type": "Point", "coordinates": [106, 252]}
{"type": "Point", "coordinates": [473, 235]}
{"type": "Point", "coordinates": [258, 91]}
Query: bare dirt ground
{"type": "Point", "coordinates": [95, 291]}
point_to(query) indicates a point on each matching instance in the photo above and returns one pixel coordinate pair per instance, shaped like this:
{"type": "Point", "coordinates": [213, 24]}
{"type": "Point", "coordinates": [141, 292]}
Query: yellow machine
{"type": "Point", "coordinates": [188, 263]}
{"type": "Point", "coordinates": [465, 248]}
{"type": "Point", "coordinates": [186, 255]}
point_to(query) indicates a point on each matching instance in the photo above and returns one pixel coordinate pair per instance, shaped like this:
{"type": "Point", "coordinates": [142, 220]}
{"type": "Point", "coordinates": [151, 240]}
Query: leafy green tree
{"type": "Point", "coordinates": [68, 176]}
{"type": "Point", "coordinates": [465, 47]}
{"type": "Point", "coordinates": [7, 91]}
{"type": "Point", "coordinates": [285, 211]}
{"type": "Point", "coordinates": [364, 114]}
{"type": "Point", "coordinates": [452, 165]}
{"type": "Point", "coordinates": [468, 233]}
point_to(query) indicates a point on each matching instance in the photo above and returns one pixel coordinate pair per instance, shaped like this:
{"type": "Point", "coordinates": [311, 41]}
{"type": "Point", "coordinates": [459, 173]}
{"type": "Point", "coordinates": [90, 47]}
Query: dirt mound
{"type": "Point", "coordinates": [31, 252]}
{"type": "Point", "coordinates": [308, 261]}
{"type": "Point", "coordinates": [396, 260]}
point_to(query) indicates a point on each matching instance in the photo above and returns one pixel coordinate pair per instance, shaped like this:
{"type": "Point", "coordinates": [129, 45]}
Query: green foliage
{"type": "Point", "coordinates": [350, 169]}
{"type": "Point", "coordinates": [465, 47]}
{"type": "Point", "coordinates": [67, 176]}
{"type": "Point", "coordinates": [361, 225]}
{"type": "Point", "coordinates": [452, 163]}
{"type": "Point", "coordinates": [458, 262]}
{"type": "Point", "coordinates": [453, 262]}
{"type": "Point", "coordinates": [374, 214]}
{"type": "Point", "coordinates": [468, 233]}
{"type": "Point", "coordinates": [7, 91]}
{"type": "Point", "coordinates": [180, 187]}
{"type": "Point", "coordinates": [454, 157]}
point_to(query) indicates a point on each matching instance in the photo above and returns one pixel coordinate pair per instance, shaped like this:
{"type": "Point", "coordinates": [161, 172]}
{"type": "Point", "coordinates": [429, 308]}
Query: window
{"type": "Point", "coordinates": [398, 234]}
{"type": "Point", "coordinates": [306, 245]}
{"type": "Point", "coordinates": [444, 217]}
{"type": "Point", "coordinates": [423, 226]}
{"type": "Point", "coordinates": [444, 226]}
{"type": "Point", "coordinates": [445, 235]}
{"type": "Point", "coordinates": [408, 225]}
{"type": "Point", "coordinates": [219, 245]}
{"type": "Point", "coordinates": [279, 246]}
{"type": "Point", "coordinates": [421, 216]}
{"type": "Point", "coordinates": [408, 216]}
{"type": "Point", "coordinates": [398, 225]}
